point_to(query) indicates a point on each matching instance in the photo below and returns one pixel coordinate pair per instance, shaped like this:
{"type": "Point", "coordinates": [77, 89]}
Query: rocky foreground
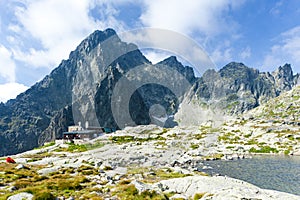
{"type": "Point", "coordinates": [144, 162]}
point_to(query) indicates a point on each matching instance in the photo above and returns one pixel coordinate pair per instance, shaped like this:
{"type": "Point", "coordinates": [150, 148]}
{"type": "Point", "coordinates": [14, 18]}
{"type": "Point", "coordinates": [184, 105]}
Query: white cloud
{"type": "Point", "coordinates": [173, 42]}
{"type": "Point", "coordinates": [59, 26]}
{"type": "Point", "coordinates": [204, 16]}
{"type": "Point", "coordinates": [246, 53]}
{"type": "Point", "coordinates": [11, 90]}
{"type": "Point", "coordinates": [221, 55]}
{"type": "Point", "coordinates": [207, 21]}
{"type": "Point", "coordinates": [7, 65]}
{"type": "Point", "coordinates": [43, 32]}
{"type": "Point", "coordinates": [286, 50]}
{"type": "Point", "coordinates": [156, 56]}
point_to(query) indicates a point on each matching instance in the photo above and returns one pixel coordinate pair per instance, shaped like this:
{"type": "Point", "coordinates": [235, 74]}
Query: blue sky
{"type": "Point", "coordinates": [35, 35]}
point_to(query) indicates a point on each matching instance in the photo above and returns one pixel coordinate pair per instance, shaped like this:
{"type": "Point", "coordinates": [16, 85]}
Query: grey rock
{"type": "Point", "coordinates": [20, 166]}
{"type": "Point", "coordinates": [140, 186]}
{"type": "Point", "coordinates": [21, 196]}
{"type": "Point", "coordinates": [49, 170]}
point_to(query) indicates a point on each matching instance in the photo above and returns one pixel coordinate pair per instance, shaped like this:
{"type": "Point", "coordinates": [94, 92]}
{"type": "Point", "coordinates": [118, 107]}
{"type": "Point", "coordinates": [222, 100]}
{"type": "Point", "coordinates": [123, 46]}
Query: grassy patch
{"type": "Point", "coordinates": [161, 143]}
{"type": "Point", "coordinates": [228, 137]}
{"type": "Point", "coordinates": [37, 156]}
{"type": "Point", "coordinates": [44, 194]}
{"type": "Point", "coordinates": [94, 145]}
{"type": "Point", "coordinates": [129, 192]}
{"type": "Point", "coordinates": [251, 142]}
{"type": "Point", "coordinates": [287, 152]}
{"type": "Point", "coordinates": [216, 156]}
{"type": "Point", "coordinates": [76, 148]}
{"type": "Point", "coordinates": [264, 149]}
{"type": "Point", "coordinates": [194, 146]}
{"type": "Point", "coordinates": [198, 136]}
{"type": "Point", "coordinates": [155, 175]}
{"type": "Point", "coordinates": [201, 195]}
{"type": "Point", "coordinates": [66, 182]}
{"type": "Point", "coordinates": [46, 145]}
{"type": "Point", "coordinates": [129, 138]}
{"type": "Point", "coordinates": [80, 147]}
{"type": "Point", "coordinates": [230, 147]}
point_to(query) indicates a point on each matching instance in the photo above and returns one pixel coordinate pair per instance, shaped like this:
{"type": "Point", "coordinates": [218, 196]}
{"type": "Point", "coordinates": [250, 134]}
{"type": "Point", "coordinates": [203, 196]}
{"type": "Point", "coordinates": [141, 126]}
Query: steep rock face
{"type": "Point", "coordinates": [25, 118]}
{"type": "Point", "coordinates": [140, 89]}
{"type": "Point", "coordinates": [284, 78]}
{"type": "Point", "coordinates": [237, 88]}
{"type": "Point", "coordinates": [79, 90]}
{"type": "Point", "coordinates": [58, 124]}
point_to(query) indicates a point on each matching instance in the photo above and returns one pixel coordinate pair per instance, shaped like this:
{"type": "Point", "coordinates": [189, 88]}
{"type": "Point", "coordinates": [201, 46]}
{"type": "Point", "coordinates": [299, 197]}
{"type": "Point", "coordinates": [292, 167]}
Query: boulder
{"type": "Point", "coordinates": [140, 186]}
{"type": "Point", "coordinates": [48, 170]}
{"type": "Point", "coordinates": [21, 196]}
{"type": "Point", "coordinates": [178, 196]}
{"type": "Point", "coordinates": [20, 166]}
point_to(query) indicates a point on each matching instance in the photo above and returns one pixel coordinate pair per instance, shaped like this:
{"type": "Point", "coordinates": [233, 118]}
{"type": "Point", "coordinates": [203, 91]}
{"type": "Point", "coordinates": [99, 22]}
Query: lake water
{"type": "Point", "coordinates": [280, 173]}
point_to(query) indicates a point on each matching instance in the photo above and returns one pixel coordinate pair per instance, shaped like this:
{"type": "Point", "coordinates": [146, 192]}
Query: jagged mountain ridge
{"type": "Point", "coordinates": [44, 111]}
{"type": "Point", "coordinates": [237, 88]}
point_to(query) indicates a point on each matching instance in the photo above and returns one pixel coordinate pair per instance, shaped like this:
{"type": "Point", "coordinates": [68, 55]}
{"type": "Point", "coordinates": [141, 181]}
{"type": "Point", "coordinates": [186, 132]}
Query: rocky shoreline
{"type": "Point", "coordinates": [144, 162]}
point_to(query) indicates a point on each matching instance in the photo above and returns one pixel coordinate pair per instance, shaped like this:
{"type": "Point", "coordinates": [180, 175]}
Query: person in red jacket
{"type": "Point", "coordinates": [10, 160]}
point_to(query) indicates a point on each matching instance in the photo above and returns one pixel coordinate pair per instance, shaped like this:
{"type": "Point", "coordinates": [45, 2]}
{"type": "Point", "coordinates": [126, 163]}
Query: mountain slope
{"type": "Point", "coordinates": [235, 89]}
{"type": "Point", "coordinates": [284, 109]}
{"type": "Point", "coordinates": [271, 127]}
{"type": "Point", "coordinates": [73, 93]}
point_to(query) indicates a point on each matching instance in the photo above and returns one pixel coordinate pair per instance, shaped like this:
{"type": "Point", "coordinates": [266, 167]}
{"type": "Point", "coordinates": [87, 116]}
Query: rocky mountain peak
{"type": "Point", "coordinates": [284, 78]}
{"type": "Point", "coordinates": [237, 70]}
{"type": "Point", "coordinates": [96, 38]}
{"type": "Point", "coordinates": [284, 71]}
{"type": "Point", "coordinates": [173, 62]}
{"type": "Point", "coordinates": [81, 89]}
{"type": "Point", "coordinates": [171, 59]}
